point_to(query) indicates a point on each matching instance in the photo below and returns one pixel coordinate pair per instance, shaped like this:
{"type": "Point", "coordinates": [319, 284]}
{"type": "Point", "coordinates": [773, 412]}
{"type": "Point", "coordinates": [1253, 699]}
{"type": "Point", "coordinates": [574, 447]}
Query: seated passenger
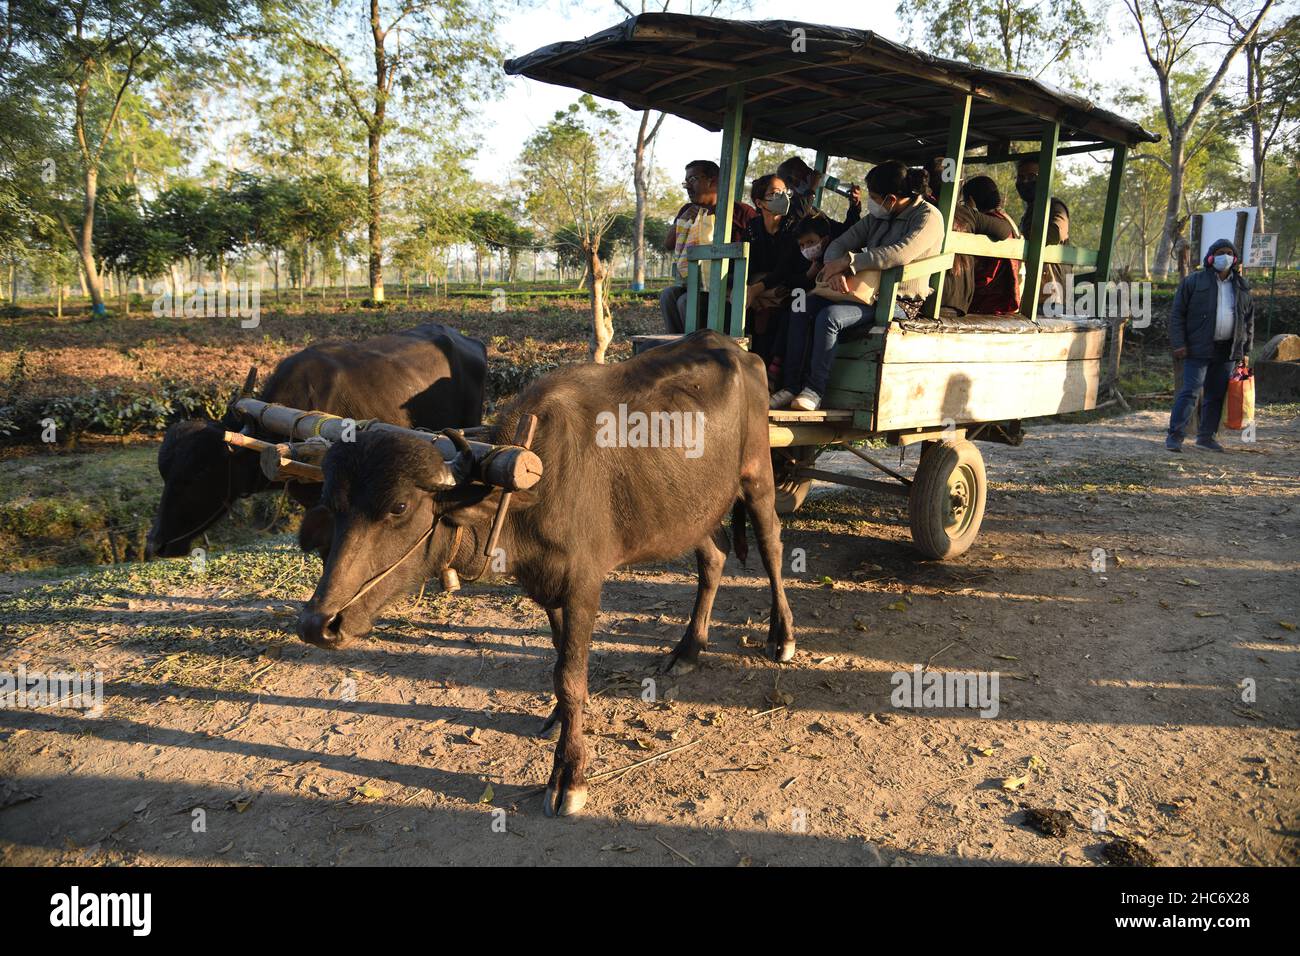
{"type": "Point", "coordinates": [901, 227]}
{"type": "Point", "coordinates": [693, 226]}
{"type": "Point", "coordinates": [934, 180]}
{"type": "Point", "coordinates": [813, 234]}
{"type": "Point", "coordinates": [996, 282]}
{"type": "Point", "coordinates": [1058, 231]}
{"type": "Point", "coordinates": [775, 263]}
{"type": "Point", "coordinates": [803, 179]}
{"type": "Point", "coordinates": [959, 281]}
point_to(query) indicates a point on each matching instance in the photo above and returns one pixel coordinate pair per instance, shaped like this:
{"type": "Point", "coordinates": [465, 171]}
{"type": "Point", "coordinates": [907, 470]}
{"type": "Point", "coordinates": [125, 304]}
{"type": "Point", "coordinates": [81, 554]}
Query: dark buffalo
{"type": "Point", "coordinates": [430, 376]}
{"type": "Point", "coordinates": [393, 513]}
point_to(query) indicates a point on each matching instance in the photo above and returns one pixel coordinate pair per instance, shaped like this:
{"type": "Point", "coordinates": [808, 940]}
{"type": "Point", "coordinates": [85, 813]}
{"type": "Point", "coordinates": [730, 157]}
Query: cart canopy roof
{"type": "Point", "coordinates": [850, 92]}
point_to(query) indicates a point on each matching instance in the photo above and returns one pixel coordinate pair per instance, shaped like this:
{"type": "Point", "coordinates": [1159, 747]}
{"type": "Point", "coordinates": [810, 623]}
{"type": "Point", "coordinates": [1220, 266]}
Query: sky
{"type": "Point", "coordinates": [529, 105]}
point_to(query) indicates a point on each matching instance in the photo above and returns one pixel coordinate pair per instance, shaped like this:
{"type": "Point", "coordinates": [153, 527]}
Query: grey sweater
{"type": "Point", "coordinates": [915, 233]}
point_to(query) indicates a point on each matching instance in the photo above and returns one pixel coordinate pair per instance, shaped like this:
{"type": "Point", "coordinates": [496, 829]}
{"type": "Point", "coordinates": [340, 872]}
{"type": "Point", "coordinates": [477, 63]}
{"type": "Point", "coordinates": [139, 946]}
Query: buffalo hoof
{"type": "Point", "coordinates": [683, 658]}
{"type": "Point", "coordinates": [569, 801]}
{"type": "Point", "coordinates": [550, 729]}
{"type": "Point", "coordinates": [782, 653]}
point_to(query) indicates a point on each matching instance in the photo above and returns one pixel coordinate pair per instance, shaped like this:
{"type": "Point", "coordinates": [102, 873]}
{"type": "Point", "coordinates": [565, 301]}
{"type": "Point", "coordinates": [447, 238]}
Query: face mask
{"type": "Point", "coordinates": [811, 253]}
{"type": "Point", "coordinates": [1222, 261]}
{"type": "Point", "coordinates": [803, 189]}
{"type": "Point", "coordinates": [875, 209]}
{"type": "Point", "coordinates": [779, 204]}
{"type": "Point", "coordinates": [1027, 189]}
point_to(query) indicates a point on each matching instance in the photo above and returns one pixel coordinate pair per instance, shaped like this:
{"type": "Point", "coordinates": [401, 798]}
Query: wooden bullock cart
{"type": "Point", "coordinates": [938, 382]}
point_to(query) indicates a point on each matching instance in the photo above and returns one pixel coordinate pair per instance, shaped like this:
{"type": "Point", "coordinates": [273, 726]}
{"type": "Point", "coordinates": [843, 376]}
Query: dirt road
{"type": "Point", "coordinates": [1152, 698]}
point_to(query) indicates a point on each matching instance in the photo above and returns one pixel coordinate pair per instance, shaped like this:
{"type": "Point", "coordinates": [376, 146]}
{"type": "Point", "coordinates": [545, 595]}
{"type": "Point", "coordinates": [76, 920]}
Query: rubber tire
{"type": "Point", "coordinates": [790, 495]}
{"type": "Point", "coordinates": [929, 500]}
{"type": "Point", "coordinates": [791, 492]}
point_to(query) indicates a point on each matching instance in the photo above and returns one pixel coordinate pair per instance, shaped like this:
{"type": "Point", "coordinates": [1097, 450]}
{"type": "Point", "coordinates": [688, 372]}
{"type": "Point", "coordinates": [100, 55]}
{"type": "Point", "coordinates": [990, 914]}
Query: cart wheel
{"type": "Point", "coordinates": [946, 503]}
{"type": "Point", "coordinates": [791, 491]}
{"type": "Point", "coordinates": [790, 495]}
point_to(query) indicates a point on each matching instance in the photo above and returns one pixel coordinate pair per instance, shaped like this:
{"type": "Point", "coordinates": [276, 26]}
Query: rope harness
{"type": "Point", "coordinates": [451, 559]}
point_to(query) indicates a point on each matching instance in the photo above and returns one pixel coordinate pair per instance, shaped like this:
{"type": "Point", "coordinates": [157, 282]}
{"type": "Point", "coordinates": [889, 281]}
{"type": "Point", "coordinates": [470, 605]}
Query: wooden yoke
{"type": "Point", "coordinates": [299, 461]}
{"type": "Point", "coordinates": [524, 432]}
{"type": "Point", "coordinates": [508, 467]}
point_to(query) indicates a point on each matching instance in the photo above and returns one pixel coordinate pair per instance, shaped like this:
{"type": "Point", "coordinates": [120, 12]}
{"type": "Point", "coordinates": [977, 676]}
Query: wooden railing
{"type": "Point", "coordinates": [738, 253]}
{"type": "Point", "coordinates": [970, 244]}
{"type": "Point", "coordinates": [891, 279]}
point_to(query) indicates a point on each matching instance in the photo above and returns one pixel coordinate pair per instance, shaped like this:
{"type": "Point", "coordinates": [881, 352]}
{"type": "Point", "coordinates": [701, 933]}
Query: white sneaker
{"type": "Point", "coordinates": [780, 399]}
{"type": "Point", "coordinates": [807, 401]}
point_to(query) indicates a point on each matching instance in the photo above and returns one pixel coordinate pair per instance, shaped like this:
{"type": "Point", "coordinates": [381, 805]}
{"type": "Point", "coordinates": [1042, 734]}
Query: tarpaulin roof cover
{"type": "Point", "coordinates": [850, 92]}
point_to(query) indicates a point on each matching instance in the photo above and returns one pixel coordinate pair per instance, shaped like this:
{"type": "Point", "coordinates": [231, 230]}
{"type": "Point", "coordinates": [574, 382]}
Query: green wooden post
{"type": "Point", "coordinates": [1110, 217]}
{"type": "Point", "coordinates": [887, 297]}
{"type": "Point", "coordinates": [955, 150]}
{"type": "Point", "coordinates": [692, 296]}
{"type": "Point", "coordinates": [1036, 241]}
{"type": "Point", "coordinates": [1110, 220]}
{"type": "Point", "coordinates": [819, 165]}
{"type": "Point", "coordinates": [727, 165]}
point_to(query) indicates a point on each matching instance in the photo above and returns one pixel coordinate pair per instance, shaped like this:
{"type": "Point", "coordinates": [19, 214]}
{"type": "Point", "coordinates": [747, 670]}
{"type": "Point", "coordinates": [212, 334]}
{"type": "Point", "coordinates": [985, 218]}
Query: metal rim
{"type": "Point", "coordinates": [959, 502]}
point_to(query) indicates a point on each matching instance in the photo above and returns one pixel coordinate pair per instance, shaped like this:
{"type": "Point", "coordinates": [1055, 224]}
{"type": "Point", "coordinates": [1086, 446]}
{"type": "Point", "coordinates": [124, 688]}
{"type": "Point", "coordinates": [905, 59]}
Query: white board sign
{"type": "Point", "coordinates": [1222, 224]}
{"type": "Point", "coordinates": [1263, 251]}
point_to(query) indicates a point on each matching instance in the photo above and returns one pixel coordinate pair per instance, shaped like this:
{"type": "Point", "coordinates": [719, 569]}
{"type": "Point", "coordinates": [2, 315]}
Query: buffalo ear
{"type": "Point", "coordinates": [483, 506]}
{"type": "Point", "coordinates": [317, 530]}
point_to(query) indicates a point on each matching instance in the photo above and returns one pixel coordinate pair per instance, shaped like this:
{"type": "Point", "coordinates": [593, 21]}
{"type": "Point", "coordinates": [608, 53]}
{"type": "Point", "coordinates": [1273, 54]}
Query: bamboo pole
{"type": "Point", "coordinates": [503, 466]}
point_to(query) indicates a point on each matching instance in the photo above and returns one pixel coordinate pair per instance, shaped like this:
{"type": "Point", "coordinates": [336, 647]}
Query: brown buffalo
{"type": "Point", "coordinates": [394, 513]}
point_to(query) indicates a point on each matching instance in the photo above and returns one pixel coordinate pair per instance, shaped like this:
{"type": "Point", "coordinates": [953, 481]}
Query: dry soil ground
{"type": "Point", "coordinates": [1121, 697]}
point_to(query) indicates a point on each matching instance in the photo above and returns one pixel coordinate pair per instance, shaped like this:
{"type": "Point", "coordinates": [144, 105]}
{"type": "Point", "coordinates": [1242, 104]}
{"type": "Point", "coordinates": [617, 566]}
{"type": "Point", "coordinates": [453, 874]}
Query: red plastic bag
{"type": "Point", "coordinates": [1241, 398]}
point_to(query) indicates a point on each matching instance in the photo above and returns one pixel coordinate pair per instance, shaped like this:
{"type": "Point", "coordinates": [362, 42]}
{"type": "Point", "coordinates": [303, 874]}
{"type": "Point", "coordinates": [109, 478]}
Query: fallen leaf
{"type": "Point", "coordinates": [1011, 784]}
{"type": "Point", "coordinates": [488, 794]}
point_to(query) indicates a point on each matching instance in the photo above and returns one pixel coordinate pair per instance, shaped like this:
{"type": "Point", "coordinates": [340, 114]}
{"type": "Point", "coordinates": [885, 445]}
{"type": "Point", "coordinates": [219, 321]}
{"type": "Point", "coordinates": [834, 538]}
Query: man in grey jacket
{"type": "Point", "coordinates": [1212, 329]}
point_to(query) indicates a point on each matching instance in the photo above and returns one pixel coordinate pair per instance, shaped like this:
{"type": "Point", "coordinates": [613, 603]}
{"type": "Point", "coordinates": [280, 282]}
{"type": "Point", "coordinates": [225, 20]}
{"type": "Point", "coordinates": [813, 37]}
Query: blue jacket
{"type": "Point", "coordinates": [1196, 305]}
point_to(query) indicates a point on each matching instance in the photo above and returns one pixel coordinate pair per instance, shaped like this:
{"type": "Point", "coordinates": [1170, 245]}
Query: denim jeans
{"type": "Point", "coordinates": [1212, 373]}
{"type": "Point", "coordinates": [822, 322]}
{"type": "Point", "coordinates": [672, 302]}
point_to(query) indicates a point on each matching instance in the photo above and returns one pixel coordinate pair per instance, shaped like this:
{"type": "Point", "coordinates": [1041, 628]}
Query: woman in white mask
{"type": "Point", "coordinates": [776, 265]}
{"type": "Point", "coordinates": [900, 227]}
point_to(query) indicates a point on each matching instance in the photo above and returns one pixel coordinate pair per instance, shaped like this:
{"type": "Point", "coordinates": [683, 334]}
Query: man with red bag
{"type": "Point", "coordinates": [1212, 329]}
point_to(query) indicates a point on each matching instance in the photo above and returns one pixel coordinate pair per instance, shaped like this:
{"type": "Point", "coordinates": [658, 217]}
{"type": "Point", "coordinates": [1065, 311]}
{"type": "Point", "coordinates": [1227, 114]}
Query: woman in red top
{"type": "Point", "coordinates": [997, 281]}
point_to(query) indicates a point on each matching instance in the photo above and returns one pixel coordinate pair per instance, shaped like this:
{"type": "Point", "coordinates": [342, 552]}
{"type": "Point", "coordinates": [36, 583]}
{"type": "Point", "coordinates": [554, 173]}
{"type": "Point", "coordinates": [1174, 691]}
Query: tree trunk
{"type": "Point", "coordinates": [1177, 166]}
{"type": "Point", "coordinates": [641, 183]}
{"type": "Point", "coordinates": [1254, 96]}
{"type": "Point", "coordinates": [374, 196]}
{"type": "Point", "coordinates": [86, 243]}
{"type": "Point", "coordinates": [602, 326]}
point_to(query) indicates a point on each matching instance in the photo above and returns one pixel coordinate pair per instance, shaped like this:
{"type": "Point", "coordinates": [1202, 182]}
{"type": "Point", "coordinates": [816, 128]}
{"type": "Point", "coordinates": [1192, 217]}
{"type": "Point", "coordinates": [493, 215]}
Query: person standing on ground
{"type": "Point", "coordinates": [1212, 329]}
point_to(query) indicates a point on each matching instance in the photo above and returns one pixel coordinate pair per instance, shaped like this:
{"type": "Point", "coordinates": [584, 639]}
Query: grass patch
{"type": "Point", "coordinates": [88, 507]}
